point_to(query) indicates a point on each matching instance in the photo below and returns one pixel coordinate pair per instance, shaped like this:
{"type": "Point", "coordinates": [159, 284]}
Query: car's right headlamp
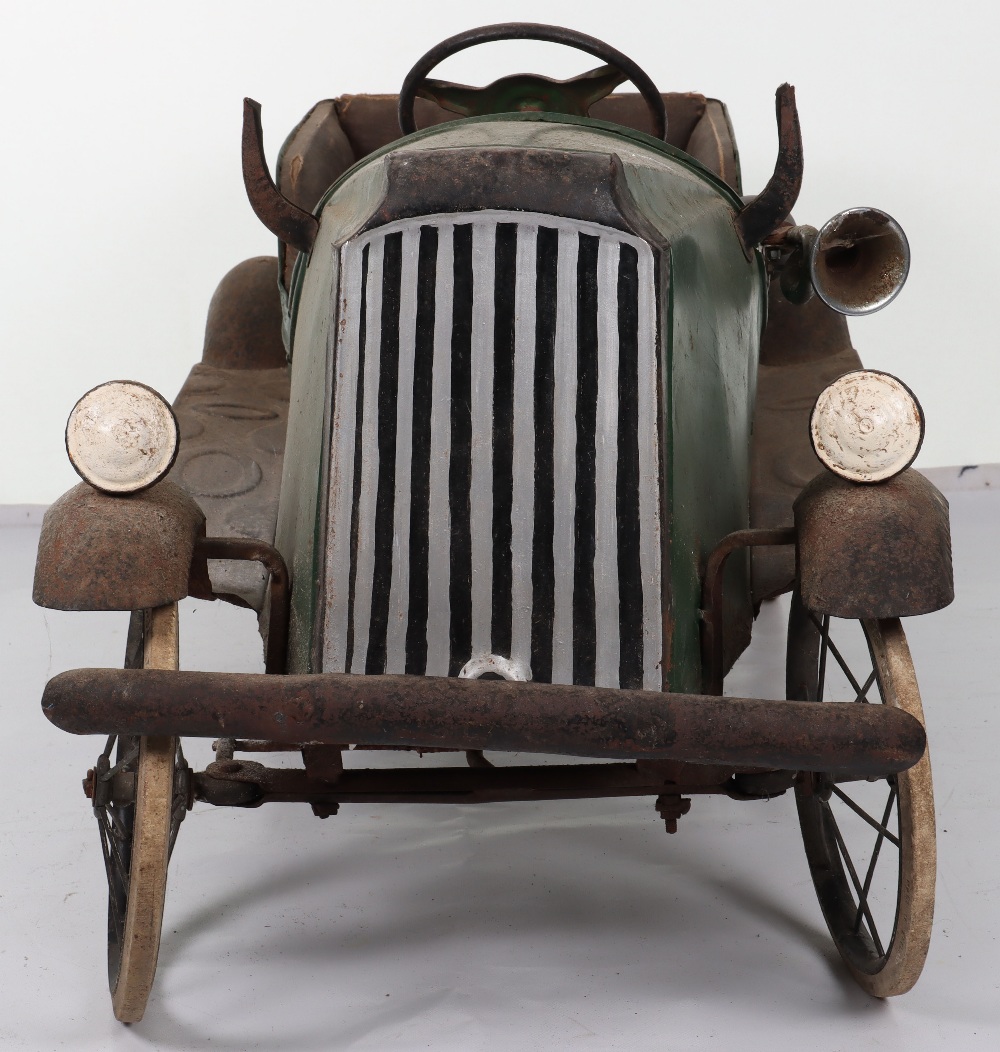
{"type": "Point", "coordinates": [122, 437]}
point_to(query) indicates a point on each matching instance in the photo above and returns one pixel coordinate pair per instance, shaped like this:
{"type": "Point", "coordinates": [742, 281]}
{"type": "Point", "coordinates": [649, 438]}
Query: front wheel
{"type": "Point", "coordinates": [870, 844]}
{"type": "Point", "coordinates": [140, 798]}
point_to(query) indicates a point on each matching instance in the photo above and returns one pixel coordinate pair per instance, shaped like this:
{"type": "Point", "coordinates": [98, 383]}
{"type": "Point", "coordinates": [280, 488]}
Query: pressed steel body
{"type": "Point", "coordinates": [710, 311]}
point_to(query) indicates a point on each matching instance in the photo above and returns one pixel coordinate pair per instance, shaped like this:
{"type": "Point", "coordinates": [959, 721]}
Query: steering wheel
{"type": "Point", "coordinates": [527, 91]}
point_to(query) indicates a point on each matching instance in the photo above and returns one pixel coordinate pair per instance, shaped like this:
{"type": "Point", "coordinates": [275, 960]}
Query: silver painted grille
{"type": "Point", "coordinates": [494, 476]}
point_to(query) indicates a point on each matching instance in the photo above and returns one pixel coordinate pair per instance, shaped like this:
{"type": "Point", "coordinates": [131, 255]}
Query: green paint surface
{"type": "Point", "coordinates": [301, 509]}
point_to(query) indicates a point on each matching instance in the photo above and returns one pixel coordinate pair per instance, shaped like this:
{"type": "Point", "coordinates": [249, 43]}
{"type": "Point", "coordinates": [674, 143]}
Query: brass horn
{"type": "Point", "coordinates": [858, 262]}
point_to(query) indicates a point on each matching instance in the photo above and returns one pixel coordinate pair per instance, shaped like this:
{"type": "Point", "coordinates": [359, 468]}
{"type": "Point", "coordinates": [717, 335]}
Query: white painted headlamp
{"type": "Point", "coordinates": [122, 437]}
{"type": "Point", "coordinates": [867, 426]}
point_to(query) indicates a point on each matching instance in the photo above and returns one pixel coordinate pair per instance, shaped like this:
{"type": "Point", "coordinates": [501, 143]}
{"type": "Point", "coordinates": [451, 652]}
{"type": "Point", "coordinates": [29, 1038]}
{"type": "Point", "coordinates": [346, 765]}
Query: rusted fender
{"type": "Point", "coordinates": [102, 552]}
{"type": "Point", "coordinates": [453, 713]}
{"type": "Point", "coordinates": [873, 550]}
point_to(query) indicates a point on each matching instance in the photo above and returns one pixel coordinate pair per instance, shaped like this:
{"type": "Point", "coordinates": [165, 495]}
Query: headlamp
{"type": "Point", "coordinates": [122, 437]}
{"type": "Point", "coordinates": [867, 426]}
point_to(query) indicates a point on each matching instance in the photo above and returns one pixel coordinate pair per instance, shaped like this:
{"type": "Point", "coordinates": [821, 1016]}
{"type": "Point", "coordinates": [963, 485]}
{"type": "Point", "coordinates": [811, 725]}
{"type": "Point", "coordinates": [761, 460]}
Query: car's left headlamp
{"type": "Point", "coordinates": [867, 426]}
{"type": "Point", "coordinates": [122, 437]}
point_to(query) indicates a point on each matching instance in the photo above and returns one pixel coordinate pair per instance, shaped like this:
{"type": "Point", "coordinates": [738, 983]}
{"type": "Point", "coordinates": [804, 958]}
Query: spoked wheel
{"type": "Point", "coordinates": [870, 844]}
{"type": "Point", "coordinates": [140, 798]}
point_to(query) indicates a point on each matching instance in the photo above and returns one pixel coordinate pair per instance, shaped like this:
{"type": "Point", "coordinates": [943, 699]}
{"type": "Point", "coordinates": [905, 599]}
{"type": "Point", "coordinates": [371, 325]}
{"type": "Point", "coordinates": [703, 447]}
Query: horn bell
{"type": "Point", "coordinates": [859, 261]}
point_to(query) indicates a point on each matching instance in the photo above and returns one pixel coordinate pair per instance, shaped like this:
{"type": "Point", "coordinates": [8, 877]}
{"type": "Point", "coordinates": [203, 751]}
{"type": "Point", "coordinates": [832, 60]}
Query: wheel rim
{"type": "Point", "coordinates": [870, 844]}
{"type": "Point", "coordinates": [140, 799]}
{"type": "Point", "coordinates": [116, 824]}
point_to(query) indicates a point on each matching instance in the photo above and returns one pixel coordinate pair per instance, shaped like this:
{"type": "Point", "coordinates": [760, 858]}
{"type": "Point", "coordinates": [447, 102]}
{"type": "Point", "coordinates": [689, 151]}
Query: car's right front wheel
{"type": "Point", "coordinates": [138, 826]}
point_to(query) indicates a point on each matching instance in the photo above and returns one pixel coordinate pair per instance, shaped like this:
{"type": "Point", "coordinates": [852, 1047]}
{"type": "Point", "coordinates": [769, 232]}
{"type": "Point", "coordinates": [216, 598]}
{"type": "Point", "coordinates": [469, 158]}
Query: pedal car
{"type": "Point", "coordinates": [530, 413]}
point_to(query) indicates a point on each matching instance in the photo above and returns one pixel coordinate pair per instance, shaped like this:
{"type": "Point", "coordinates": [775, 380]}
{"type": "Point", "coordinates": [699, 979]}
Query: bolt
{"type": "Point", "coordinates": [325, 810]}
{"type": "Point", "coordinates": [670, 808]}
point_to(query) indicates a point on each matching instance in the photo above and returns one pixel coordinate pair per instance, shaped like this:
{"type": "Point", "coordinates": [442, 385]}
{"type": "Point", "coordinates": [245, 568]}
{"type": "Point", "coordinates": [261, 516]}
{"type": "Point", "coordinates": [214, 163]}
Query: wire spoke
{"type": "Point", "coordinates": [114, 827]}
{"type": "Point", "coordinates": [845, 668]}
{"type": "Point", "coordinates": [825, 643]}
{"type": "Point", "coordinates": [125, 761]}
{"type": "Point", "coordinates": [874, 861]}
{"type": "Point", "coordinates": [116, 917]}
{"type": "Point", "coordinates": [862, 900]}
{"type": "Point", "coordinates": [824, 629]}
{"type": "Point", "coordinates": [179, 808]}
{"type": "Point", "coordinates": [116, 844]}
{"type": "Point", "coordinates": [116, 851]}
{"type": "Point", "coordinates": [106, 842]}
{"type": "Point", "coordinates": [880, 828]}
{"type": "Point", "coordinates": [862, 697]}
{"type": "Point", "coordinates": [105, 849]}
{"type": "Point", "coordinates": [176, 817]}
{"type": "Point", "coordinates": [115, 821]}
{"type": "Point", "coordinates": [118, 823]}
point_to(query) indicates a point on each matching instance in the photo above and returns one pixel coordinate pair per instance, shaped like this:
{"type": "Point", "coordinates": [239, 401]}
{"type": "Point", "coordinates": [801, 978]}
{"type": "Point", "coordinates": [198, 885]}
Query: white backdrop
{"type": "Point", "coordinates": [123, 205]}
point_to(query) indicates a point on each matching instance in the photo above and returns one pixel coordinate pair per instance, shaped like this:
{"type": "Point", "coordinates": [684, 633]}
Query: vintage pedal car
{"type": "Point", "coordinates": [529, 415]}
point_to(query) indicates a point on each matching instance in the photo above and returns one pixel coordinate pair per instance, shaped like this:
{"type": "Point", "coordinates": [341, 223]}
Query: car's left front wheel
{"type": "Point", "coordinates": [870, 843]}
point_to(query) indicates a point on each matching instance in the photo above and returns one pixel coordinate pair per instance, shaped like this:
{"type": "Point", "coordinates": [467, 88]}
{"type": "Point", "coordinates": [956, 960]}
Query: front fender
{"type": "Point", "coordinates": [873, 550]}
{"type": "Point", "coordinates": [102, 552]}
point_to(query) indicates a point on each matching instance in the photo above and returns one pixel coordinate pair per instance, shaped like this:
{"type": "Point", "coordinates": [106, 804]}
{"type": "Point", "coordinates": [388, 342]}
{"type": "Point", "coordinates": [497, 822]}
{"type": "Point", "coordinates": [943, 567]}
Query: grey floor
{"type": "Point", "coordinates": [512, 926]}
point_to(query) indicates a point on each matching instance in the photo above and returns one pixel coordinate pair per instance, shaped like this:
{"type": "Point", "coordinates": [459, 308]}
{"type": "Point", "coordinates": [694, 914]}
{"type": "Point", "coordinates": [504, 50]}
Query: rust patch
{"type": "Point", "coordinates": [873, 550]}
{"type": "Point", "coordinates": [101, 552]}
{"type": "Point", "coordinates": [488, 715]}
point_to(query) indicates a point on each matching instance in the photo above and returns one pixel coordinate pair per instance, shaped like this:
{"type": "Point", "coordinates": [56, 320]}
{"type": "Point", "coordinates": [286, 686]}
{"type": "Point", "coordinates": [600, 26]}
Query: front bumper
{"type": "Point", "coordinates": [841, 738]}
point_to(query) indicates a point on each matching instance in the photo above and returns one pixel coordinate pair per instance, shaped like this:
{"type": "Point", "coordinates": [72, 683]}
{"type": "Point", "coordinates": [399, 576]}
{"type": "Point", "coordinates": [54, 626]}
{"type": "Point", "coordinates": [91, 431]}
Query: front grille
{"type": "Point", "coordinates": [494, 477]}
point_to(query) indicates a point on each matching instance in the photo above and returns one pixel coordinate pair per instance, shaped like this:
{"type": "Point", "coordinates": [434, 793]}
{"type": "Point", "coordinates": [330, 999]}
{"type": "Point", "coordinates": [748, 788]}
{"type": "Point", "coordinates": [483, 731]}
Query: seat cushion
{"type": "Point", "coordinates": [370, 121]}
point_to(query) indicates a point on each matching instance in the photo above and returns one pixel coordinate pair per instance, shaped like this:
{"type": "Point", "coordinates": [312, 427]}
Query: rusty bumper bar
{"type": "Point", "coordinates": [488, 715]}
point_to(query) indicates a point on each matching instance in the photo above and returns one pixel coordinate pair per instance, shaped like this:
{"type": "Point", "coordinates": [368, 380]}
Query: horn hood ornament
{"type": "Point", "coordinates": [285, 220]}
{"type": "Point", "coordinates": [766, 212]}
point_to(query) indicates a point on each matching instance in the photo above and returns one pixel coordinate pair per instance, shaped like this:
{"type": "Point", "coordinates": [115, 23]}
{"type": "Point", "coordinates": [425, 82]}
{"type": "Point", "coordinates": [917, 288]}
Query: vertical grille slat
{"type": "Point", "coordinates": [350, 539]}
{"type": "Point", "coordinates": [522, 505]}
{"type": "Point", "coordinates": [542, 548]}
{"type": "Point", "coordinates": [585, 509]}
{"type": "Point", "coordinates": [459, 479]}
{"type": "Point", "coordinates": [504, 352]}
{"type": "Point", "coordinates": [439, 510]}
{"type": "Point", "coordinates": [649, 477]}
{"type": "Point", "coordinates": [627, 476]}
{"type": "Point", "coordinates": [399, 589]}
{"type": "Point", "coordinates": [383, 540]}
{"type": "Point", "coordinates": [423, 401]}
{"type": "Point", "coordinates": [605, 576]}
{"type": "Point", "coordinates": [481, 491]}
{"type": "Point", "coordinates": [564, 456]}
{"type": "Point", "coordinates": [366, 480]}
{"type": "Point", "coordinates": [494, 476]}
